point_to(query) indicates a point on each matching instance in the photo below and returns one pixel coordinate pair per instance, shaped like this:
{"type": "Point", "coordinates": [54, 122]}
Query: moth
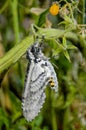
{"type": "Point", "coordinates": [40, 73]}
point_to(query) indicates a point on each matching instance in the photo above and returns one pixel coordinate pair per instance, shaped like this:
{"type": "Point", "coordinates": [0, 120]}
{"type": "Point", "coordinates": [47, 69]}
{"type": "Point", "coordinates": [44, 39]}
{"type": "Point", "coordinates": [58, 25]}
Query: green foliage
{"type": "Point", "coordinates": [65, 45]}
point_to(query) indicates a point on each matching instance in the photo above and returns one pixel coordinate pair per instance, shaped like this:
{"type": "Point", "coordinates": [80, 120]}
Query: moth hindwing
{"type": "Point", "coordinates": [39, 74]}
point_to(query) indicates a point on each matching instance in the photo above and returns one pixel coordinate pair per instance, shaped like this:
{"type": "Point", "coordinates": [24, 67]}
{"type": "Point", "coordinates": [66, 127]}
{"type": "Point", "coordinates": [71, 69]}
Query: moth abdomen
{"type": "Point", "coordinates": [51, 82]}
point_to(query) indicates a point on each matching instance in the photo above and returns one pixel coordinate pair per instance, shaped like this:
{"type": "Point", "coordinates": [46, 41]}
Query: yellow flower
{"type": "Point", "coordinates": [54, 9]}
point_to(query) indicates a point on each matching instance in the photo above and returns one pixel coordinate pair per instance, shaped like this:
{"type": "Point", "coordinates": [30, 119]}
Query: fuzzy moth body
{"type": "Point", "coordinates": [39, 75]}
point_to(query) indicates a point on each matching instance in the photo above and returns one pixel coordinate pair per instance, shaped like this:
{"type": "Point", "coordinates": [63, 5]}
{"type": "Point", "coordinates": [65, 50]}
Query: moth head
{"type": "Point", "coordinates": [36, 50]}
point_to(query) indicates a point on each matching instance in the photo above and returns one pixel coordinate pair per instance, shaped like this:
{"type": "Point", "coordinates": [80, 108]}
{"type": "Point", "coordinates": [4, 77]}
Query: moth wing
{"type": "Point", "coordinates": [26, 92]}
{"type": "Point", "coordinates": [28, 80]}
{"type": "Point", "coordinates": [40, 76]}
{"type": "Point", "coordinates": [40, 83]}
{"type": "Point", "coordinates": [34, 106]}
{"type": "Point", "coordinates": [37, 71]}
{"type": "Point", "coordinates": [34, 95]}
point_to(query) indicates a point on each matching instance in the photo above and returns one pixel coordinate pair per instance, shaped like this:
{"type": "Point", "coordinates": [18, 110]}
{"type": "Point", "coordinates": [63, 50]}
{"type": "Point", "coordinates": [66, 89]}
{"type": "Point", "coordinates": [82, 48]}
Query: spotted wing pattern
{"type": "Point", "coordinates": [38, 75]}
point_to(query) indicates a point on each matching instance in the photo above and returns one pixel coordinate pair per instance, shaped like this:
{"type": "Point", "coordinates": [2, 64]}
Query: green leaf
{"type": "Point", "coordinates": [48, 32]}
{"type": "Point", "coordinates": [42, 18]}
{"type": "Point", "coordinates": [37, 11]}
{"type": "Point", "coordinates": [56, 46]}
{"type": "Point", "coordinates": [3, 118]}
{"type": "Point", "coordinates": [60, 46]}
{"type": "Point", "coordinates": [69, 20]}
{"type": "Point", "coordinates": [71, 47]}
{"type": "Point", "coordinates": [67, 55]}
{"type": "Point", "coordinates": [64, 42]}
{"type": "Point", "coordinates": [57, 51]}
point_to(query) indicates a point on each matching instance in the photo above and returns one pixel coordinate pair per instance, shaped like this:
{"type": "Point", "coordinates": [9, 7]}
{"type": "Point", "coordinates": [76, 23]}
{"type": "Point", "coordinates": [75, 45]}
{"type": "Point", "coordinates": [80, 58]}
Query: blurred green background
{"type": "Point", "coordinates": [66, 48]}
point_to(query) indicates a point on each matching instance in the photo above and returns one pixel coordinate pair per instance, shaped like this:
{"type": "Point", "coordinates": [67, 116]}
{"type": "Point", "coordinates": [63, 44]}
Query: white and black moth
{"type": "Point", "coordinates": [40, 73]}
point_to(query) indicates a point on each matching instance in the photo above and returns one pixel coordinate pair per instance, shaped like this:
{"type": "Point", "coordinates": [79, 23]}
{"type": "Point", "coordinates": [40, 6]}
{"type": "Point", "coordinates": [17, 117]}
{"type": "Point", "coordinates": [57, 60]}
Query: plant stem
{"type": "Point", "coordinates": [4, 7]}
{"type": "Point", "coordinates": [83, 11]}
{"type": "Point", "coordinates": [14, 5]}
{"type": "Point", "coordinates": [15, 53]}
{"type": "Point", "coordinates": [54, 122]}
